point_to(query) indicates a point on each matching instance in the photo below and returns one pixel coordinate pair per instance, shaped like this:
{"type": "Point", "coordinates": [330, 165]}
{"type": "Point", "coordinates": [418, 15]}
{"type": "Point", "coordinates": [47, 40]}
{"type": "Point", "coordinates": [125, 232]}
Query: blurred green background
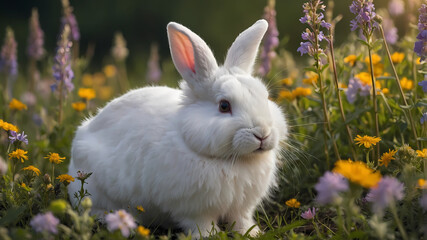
{"type": "Point", "coordinates": [142, 22]}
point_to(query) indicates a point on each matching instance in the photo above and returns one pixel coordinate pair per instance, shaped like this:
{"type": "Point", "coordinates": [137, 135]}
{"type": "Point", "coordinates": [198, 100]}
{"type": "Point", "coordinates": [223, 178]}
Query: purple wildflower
{"type": "Point", "coordinates": [21, 137]}
{"type": "Point", "coordinates": [388, 190]}
{"type": "Point", "coordinates": [390, 31]}
{"type": "Point", "coordinates": [423, 84]}
{"type": "Point", "coordinates": [423, 118]}
{"type": "Point", "coordinates": [70, 20]}
{"type": "Point", "coordinates": [423, 202]}
{"type": "Point", "coordinates": [271, 39]}
{"type": "Point", "coordinates": [82, 175]}
{"type": "Point", "coordinates": [396, 7]}
{"type": "Point", "coordinates": [309, 214]}
{"type": "Point", "coordinates": [8, 58]}
{"type": "Point", "coordinates": [36, 38]}
{"type": "Point", "coordinates": [329, 186]}
{"type": "Point", "coordinates": [365, 14]}
{"type": "Point", "coordinates": [355, 87]}
{"type": "Point", "coordinates": [313, 16]}
{"type": "Point", "coordinates": [420, 46]}
{"type": "Point", "coordinates": [45, 222]}
{"type": "Point", "coordinates": [120, 220]}
{"type": "Point", "coordinates": [154, 73]}
{"type": "Point", "coordinates": [119, 50]}
{"type": "Point", "coordinates": [62, 63]}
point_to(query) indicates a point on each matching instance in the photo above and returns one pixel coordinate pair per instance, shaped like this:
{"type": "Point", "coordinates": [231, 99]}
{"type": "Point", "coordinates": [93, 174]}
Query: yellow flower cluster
{"type": "Point", "coordinates": [387, 157]}
{"type": "Point", "coordinates": [87, 93]}
{"type": "Point", "coordinates": [140, 208]}
{"type": "Point", "coordinates": [54, 158]}
{"type": "Point", "coordinates": [65, 178]}
{"type": "Point", "coordinates": [350, 59]}
{"type": "Point", "coordinates": [110, 71]}
{"type": "Point", "coordinates": [19, 154]}
{"type": "Point", "coordinates": [422, 183]}
{"type": "Point", "coordinates": [97, 81]}
{"type": "Point", "coordinates": [422, 153]}
{"type": "Point", "coordinates": [32, 169]}
{"type": "Point", "coordinates": [397, 57]}
{"type": "Point", "coordinates": [311, 78]}
{"type": "Point", "coordinates": [8, 127]}
{"type": "Point", "coordinates": [78, 106]}
{"type": "Point", "coordinates": [291, 95]}
{"type": "Point", "coordinates": [406, 83]}
{"type": "Point", "coordinates": [142, 231]}
{"type": "Point", "coordinates": [17, 105]}
{"type": "Point", "coordinates": [366, 141]}
{"type": "Point", "coordinates": [357, 172]}
{"type": "Point", "coordinates": [293, 203]}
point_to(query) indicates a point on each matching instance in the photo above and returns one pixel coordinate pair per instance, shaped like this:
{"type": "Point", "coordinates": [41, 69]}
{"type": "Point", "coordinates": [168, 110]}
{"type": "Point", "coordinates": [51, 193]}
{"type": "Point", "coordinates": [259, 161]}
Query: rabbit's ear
{"type": "Point", "coordinates": [244, 50]}
{"type": "Point", "coordinates": [192, 57]}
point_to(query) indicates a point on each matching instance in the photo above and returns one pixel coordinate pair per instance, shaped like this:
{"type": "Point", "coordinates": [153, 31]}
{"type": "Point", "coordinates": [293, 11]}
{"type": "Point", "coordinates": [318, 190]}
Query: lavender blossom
{"type": "Point", "coordinates": [355, 87]}
{"type": "Point", "coordinates": [309, 214]}
{"type": "Point", "coordinates": [423, 118]}
{"type": "Point", "coordinates": [388, 190]}
{"type": "Point", "coordinates": [423, 84]}
{"type": "Point", "coordinates": [420, 46]}
{"type": "Point", "coordinates": [21, 137]}
{"type": "Point", "coordinates": [36, 38]}
{"type": "Point", "coordinates": [329, 187]}
{"type": "Point", "coordinates": [313, 16]}
{"type": "Point", "coordinates": [45, 222]}
{"type": "Point", "coordinates": [271, 39]}
{"type": "Point", "coordinates": [8, 55]}
{"type": "Point", "coordinates": [119, 50]}
{"type": "Point", "coordinates": [70, 20]}
{"type": "Point", "coordinates": [365, 14]}
{"type": "Point", "coordinates": [62, 63]}
{"type": "Point", "coordinates": [423, 202]}
{"type": "Point", "coordinates": [120, 220]}
{"type": "Point", "coordinates": [154, 72]}
{"type": "Point", "coordinates": [390, 31]}
{"type": "Point", "coordinates": [396, 7]}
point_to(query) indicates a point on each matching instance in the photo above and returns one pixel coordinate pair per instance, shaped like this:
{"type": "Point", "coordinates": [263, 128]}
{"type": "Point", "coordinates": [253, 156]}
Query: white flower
{"type": "Point", "coordinates": [120, 220]}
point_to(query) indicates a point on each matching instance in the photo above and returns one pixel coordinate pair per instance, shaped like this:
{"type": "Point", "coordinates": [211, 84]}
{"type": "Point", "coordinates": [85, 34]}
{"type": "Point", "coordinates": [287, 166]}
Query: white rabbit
{"type": "Point", "coordinates": [190, 156]}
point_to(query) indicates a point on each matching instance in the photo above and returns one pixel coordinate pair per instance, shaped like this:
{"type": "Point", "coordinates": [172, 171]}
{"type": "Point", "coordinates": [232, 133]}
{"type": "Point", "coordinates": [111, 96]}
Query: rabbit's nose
{"type": "Point", "coordinates": [261, 138]}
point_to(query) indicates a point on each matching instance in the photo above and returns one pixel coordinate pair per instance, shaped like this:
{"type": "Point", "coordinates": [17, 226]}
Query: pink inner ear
{"type": "Point", "coordinates": [183, 50]}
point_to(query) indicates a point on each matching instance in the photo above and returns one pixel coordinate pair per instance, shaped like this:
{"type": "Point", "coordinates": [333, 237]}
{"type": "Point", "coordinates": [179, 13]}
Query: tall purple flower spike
{"type": "Point", "coordinates": [420, 46]}
{"type": "Point", "coordinates": [271, 39]}
{"type": "Point", "coordinates": [36, 38]}
{"type": "Point", "coordinates": [62, 71]}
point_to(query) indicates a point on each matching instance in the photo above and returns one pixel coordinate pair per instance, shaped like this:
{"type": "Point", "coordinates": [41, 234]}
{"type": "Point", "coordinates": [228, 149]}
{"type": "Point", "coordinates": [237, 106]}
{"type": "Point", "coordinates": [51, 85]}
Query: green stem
{"type": "Point", "coordinates": [341, 221]}
{"type": "Point", "coordinates": [402, 95]}
{"type": "Point", "coordinates": [350, 136]}
{"type": "Point", "coordinates": [53, 173]}
{"type": "Point", "coordinates": [61, 96]}
{"type": "Point", "coordinates": [398, 222]}
{"type": "Point", "coordinates": [374, 100]}
{"type": "Point", "coordinates": [319, 235]}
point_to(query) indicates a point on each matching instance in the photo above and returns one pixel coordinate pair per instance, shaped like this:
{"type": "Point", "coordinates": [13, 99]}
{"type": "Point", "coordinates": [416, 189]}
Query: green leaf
{"type": "Point", "coordinates": [363, 42]}
{"type": "Point", "coordinates": [12, 215]}
{"type": "Point", "coordinates": [279, 231]}
{"type": "Point", "coordinates": [312, 69]}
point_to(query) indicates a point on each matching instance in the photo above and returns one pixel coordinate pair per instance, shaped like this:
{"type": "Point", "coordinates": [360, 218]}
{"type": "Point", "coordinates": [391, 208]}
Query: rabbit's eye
{"type": "Point", "coordinates": [224, 106]}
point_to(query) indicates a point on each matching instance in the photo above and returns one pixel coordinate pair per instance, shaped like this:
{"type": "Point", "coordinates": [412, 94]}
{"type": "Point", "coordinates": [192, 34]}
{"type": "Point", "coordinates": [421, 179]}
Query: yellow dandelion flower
{"type": "Point", "coordinates": [311, 78]}
{"type": "Point", "coordinates": [300, 91]}
{"type": "Point", "coordinates": [385, 90]}
{"type": "Point", "coordinates": [32, 169]}
{"type": "Point", "coordinates": [110, 71]}
{"type": "Point", "coordinates": [143, 231]}
{"type": "Point", "coordinates": [367, 141]}
{"type": "Point", "coordinates": [78, 106]}
{"type": "Point", "coordinates": [418, 60]}
{"type": "Point", "coordinates": [350, 59]}
{"type": "Point", "coordinates": [342, 85]}
{"type": "Point", "coordinates": [364, 77]}
{"type": "Point", "coordinates": [65, 178]}
{"type": "Point", "coordinates": [357, 172]}
{"type": "Point", "coordinates": [54, 158]}
{"type": "Point", "coordinates": [87, 93]}
{"type": "Point", "coordinates": [293, 203]}
{"type": "Point", "coordinates": [375, 59]}
{"type": "Point", "coordinates": [422, 153]}
{"type": "Point", "coordinates": [87, 80]}
{"type": "Point", "coordinates": [406, 83]}
{"type": "Point", "coordinates": [285, 94]}
{"type": "Point", "coordinates": [140, 208]}
{"type": "Point", "coordinates": [17, 105]}
{"type": "Point", "coordinates": [397, 57]}
{"type": "Point", "coordinates": [19, 154]}
{"type": "Point", "coordinates": [422, 183]}
{"type": "Point", "coordinates": [8, 127]}
{"type": "Point", "coordinates": [387, 157]}
{"type": "Point", "coordinates": [287, 81]}
{"type": "Point", "coordinates": [378, 69]}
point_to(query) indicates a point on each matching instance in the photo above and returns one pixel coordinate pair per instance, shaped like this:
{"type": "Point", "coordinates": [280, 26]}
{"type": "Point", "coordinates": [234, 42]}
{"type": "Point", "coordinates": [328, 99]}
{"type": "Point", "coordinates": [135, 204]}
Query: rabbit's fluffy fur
{"type": "Point", "coordinates": [175, 153]}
